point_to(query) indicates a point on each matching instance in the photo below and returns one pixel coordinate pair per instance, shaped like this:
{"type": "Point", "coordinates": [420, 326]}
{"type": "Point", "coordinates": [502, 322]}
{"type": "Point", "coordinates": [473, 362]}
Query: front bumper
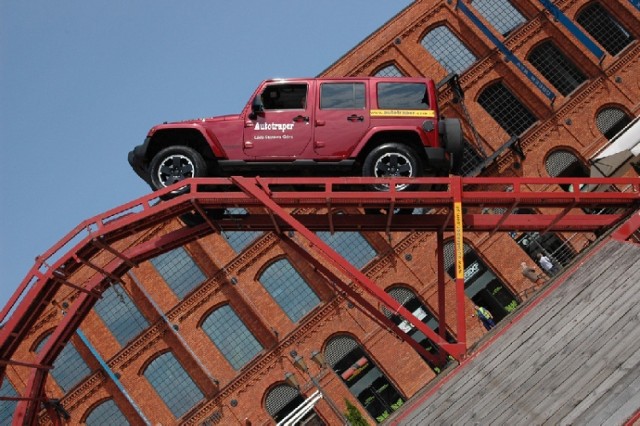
{"type": "Point", "coordinates": [139, 163]}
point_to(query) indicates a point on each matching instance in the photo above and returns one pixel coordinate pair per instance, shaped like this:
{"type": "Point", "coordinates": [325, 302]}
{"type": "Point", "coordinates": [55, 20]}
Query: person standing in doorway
{"type": "Point", "coordinates": [485, 317]}
{"type": "Point", "coordinates": [546, 264]}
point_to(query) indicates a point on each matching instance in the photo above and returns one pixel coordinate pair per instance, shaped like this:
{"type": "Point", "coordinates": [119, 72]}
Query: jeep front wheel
{"type": "Point", "coordinates": [174, 164]}
{"type": "Point", "coordinates": [391, 160]}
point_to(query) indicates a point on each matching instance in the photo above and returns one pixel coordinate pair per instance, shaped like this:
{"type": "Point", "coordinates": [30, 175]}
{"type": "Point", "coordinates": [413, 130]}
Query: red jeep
{"type": "Point", "coordinates": [381, 127]}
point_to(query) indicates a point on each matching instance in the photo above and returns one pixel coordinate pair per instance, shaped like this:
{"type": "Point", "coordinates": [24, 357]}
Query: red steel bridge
{"type": "Point", "coordinates": [100, 250]}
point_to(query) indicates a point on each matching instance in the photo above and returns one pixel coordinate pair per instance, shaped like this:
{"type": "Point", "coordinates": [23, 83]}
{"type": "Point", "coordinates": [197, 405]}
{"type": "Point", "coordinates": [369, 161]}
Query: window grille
{"type": "Point", "coordinates": [173, 384]}
{"type": "Point", "coordinates": [471, 158]}
{"type": "Point", "coordinates": [612, 36]}
{"type": "Point", "coordinates": [560, 162]}
{"type": "Point", "coordinates": [611, 120]}
{"type": "Point", "coordinates": [559, 70]}
{"type": "Point", "coordinates": [107, 413]}
{"type": "Point", "coordinates": [506, 109]}
{"type": "Point", "coordinates": [231, 336]}
{"type": "Point", "coordinates": [120, 314]}
{"type": "Point", "coordinates": [500, 14]}
{"type": "Point", "coordinates": [351, 245]}
{"type": "Point", "coordinates": [279, 397]}
{"type": "Point", "coordinates": [239, 240]}
{"type": "Point", "coordinates": [7, 408]}
{"type": "Point", "coordinates": [289, 290]}
{"type": "Point", "coordinates": [448, 50]}
{"type": "Point", "coordinates": [338, 348]}
{"type": "Point", "coordinates": [450, 255]}
{"type": "Point", "coordinates": [401, 295]}
{"type": "Point", "coordinates": [69, 368]}
{"type": "Point", "coordinates": [389, 71]}
{"type": "Point", "coordinates": [179, 271]}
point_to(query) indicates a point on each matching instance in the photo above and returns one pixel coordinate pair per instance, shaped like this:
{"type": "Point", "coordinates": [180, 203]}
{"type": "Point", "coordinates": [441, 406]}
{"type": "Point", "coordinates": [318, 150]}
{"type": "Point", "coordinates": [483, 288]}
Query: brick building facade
{"type": "Point", "coordinates": [207, 333]}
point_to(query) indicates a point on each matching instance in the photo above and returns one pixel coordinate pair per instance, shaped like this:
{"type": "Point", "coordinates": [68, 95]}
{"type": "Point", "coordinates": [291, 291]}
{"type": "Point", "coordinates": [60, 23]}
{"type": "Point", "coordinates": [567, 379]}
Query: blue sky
{"type": "Point", "coordinates": [82, 81]}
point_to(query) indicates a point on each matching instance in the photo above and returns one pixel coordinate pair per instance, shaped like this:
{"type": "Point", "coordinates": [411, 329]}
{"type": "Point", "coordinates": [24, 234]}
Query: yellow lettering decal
{"type": "Point", "coordinates": [429, 113]}
{"type": "Point", "coordinates": [459, 242]}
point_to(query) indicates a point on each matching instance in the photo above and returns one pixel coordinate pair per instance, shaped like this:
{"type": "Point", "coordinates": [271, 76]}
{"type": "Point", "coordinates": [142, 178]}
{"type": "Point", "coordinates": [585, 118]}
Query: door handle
{"type": "Point", "coordinates": [300, 119]}
{"type": "Point", "coordinates": [355, 117]}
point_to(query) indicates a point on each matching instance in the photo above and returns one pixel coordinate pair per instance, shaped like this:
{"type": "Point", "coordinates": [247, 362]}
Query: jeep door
{"type": "Point", "coordinates": [342, 118]}
{"type": "Point", "coordinates": [282, 129]}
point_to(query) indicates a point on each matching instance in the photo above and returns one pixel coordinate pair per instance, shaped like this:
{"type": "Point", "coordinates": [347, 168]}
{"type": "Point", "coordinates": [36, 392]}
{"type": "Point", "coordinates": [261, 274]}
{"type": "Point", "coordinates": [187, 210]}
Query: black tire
{"type": "Point", "coordinates": [392, 160]}
{"type": "Point", "coordinates": [174, 164]}
{"type": "Point", "coordinates": [453, 143]}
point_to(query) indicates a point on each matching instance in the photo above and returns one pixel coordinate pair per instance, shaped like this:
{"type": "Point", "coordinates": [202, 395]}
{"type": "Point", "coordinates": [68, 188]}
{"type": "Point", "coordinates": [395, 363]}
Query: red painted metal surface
{"type": "Point", "coordinates": [455, 205]}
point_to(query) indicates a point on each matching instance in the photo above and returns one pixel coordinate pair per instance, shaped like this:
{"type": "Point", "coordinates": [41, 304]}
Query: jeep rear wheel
{"type": "Point", "coordinates": [392, 160]}
{"type": "Point", "coordinates": [174, 164]}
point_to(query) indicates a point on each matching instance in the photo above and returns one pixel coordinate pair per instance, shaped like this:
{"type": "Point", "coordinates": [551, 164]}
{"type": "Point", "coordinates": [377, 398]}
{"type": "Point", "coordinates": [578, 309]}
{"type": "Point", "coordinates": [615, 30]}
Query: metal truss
{"type": "Point", "coordinates": [100, 250]}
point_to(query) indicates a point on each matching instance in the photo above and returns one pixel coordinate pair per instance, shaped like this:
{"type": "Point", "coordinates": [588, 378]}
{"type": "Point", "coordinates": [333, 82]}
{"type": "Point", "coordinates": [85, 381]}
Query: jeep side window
{"type": "Point", "coordinates": [402, 96]}
{"type": "Point", "coordinates": [342, 96]}
{"type": "Point", "coordinates": [284, 96]}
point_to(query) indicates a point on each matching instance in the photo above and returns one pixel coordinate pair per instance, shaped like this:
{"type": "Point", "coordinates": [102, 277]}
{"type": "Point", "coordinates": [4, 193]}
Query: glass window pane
{"type": "Point", "coordinates": [448, 50]}
{"type": "Point", "coordinates": [172, 383]}
{"type": "Point", "coordinates": [506, 109]}
{"type": "Point", "coordinates": [471, 158]}
{"type": "Point", "coordinates": [289, 290]}
{"type": "Point", "coordinates": [604, 28]}
{"type": "Point", "coordinates": [179, 271]}
{"type": "Point", "coordinates": [402, 96]}
{"type": "Point", "coordinates": [350, 245]}
{"type": "Point", "coordinates": [231, 336]}
{"type": "Point", "coordinates": [239, 240]}
{"type": "Point", "coordinates": [284, 96]}
{"type": "Point", "coordinates": [120, 314]}
{"type": "Point", "coordinates": [500, 14]}
{"type": "Point", "coordinates": [69, 368]}
{"type": "Point", "coordinates": [7, 408]}
{"type": "Point", "coordinates": [342, 96]}
{"type": "Point", "coordinates": [563, 74]}
{"type": "Point", "coordinates": [389, 71]}
{"type": "Point", "coordinates": [106, 413]}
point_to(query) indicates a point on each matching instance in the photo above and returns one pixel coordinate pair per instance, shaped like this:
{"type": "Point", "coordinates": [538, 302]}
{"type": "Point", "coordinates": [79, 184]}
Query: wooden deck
{"type": "Point", "coordinates": [571, 357]}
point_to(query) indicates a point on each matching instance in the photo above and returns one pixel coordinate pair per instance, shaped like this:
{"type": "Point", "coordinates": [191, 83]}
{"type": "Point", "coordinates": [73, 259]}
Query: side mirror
{"type": "Point", "coordinates": [256, 107]}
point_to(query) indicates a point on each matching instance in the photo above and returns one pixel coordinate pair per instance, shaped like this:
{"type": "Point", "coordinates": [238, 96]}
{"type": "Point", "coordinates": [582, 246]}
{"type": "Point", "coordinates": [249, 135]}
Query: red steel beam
{"type": "Point", "coordinates": [37, 290]}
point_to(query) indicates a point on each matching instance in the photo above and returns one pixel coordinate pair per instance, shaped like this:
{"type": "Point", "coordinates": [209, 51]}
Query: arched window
{"type": "Point", "coordinates": [500, 14]}
{"type": "Point", "coordinates": [7, 407]}
{"type": "Point", "coordinates": [471, 158]}
{"type": "Point", "coordinates": [448, 50]}
{"type": "Point", "coordinates": [283, 399]}
{"type": "Point", "coordinates": [232, 338]}
{"type": "Point", "coordinates": [107, 413]}
{"type": "Point", "coordinates": [69, 368]}
{"type": "Point", "coordinates": [563, 163]}
{"type": "Point", "coordinates": [611, 120]}
{"type": "Point", "coordinates": [350, 245]}
{"type": "Point", "coordinates": [603, 27]}
{"type": "Point", "coordinates": [389, 71]}
{"type": "Point", "coordinates": [561, 72]}
{"type": "Point", "coordinates": [179, 271]}
{"type": "Point", "coordinates": [506, 109]}
{"type": "Point", "coordinates": [289, 289]}
{"type": "Point", "coordinates": [121, 316]}
{"type": "Point", "coordinates": [173, 384]}
{"type": "Point", "coordinates": [363, 377]}
{"type": "Point", "coordinates": [481, 284]}
{"type": "Point", "coordinates": [408, 299]}
{"type": "Point", "coordinates": [239, 240]}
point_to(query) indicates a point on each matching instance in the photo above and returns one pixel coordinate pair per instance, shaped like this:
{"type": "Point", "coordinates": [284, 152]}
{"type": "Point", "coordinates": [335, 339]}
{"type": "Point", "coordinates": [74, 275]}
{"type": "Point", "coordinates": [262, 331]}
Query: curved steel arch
{"type": "Point", "coordinates": [102, 249]}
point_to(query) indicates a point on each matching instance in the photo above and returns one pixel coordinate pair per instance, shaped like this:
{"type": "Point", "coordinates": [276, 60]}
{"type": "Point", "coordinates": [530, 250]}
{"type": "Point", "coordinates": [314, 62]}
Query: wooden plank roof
{"type": "Point", "coordinates": [571, 357]}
